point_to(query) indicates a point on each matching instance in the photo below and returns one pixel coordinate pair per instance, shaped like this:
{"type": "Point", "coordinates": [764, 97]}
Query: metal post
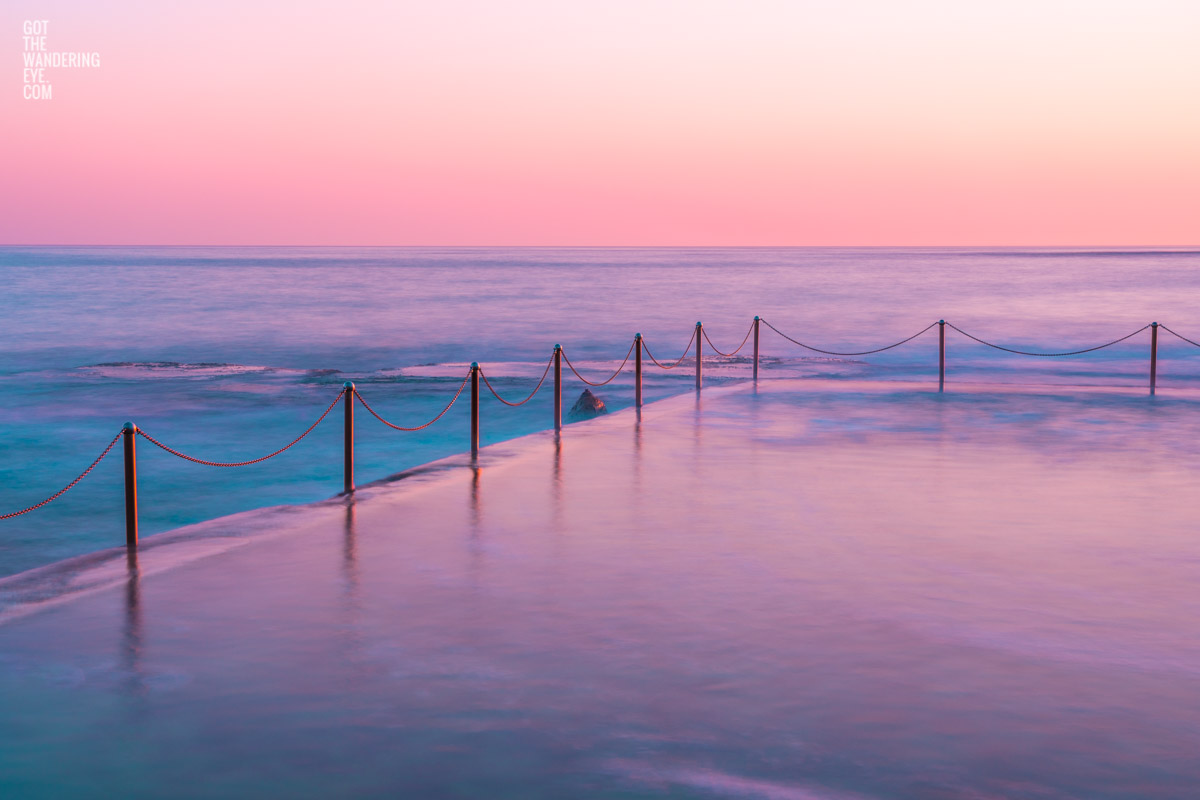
{"type": "Point", "coordinates": [131, 508]}
{"type": "Point", "coordinates": [941, 355]}
{"type": "Point", "coordinates": [558, 387]}
{"type": "Point", "coordinates": [1153, 355]}
{"type": "Point", "coordinates": [348, 435]}
{"type": "Point", "coordinates": [474, 409]}
{"type": "Point", "coordinates": [756, 320]}
{"type": "Point", "coordinates": [699, 356]}
{"type": "Point", "coordinates": [637, 370]}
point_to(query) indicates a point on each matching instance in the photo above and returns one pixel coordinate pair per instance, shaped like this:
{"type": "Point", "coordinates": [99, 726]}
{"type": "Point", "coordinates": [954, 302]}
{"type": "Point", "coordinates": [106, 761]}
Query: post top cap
{"type": "Point", "coordinates": [129, 426]}
{"type": "Point", "coordinates": [558, 347]}
{"type": "Point", "coordinates": [474, 365]}
{"type": "Point", "coordinates": [756, 317]}
{"type": "Point", "coordinates": [348, 385]}
{"type": "Point", "coordinates": [637, 336]}
{"type": "Point", "coordinates": [697, 324]}
{"type": "Point", "coordinates": [941, 322]}
{"type": "Point", "coordinates": [1153, 324]}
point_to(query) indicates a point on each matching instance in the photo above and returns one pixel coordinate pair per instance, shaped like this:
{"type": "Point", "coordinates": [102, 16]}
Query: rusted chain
{"type": "Point", "coordinates": [611, 378]}
{"type": "Point", "coordinates": [687, 349]}
{"type": "Point", "coordinates": [195, 460]}
{"type": "Point", "coordinates": [745, 339]}
{"type": "Point", "coordinates": [836, 353]}
{"type": "Point", "coordinates": [1178, 335]}
{"type": "Point", "coordinates": [69, 486]}
{"type": "Point", "coordinates": [371, 411]}
{"type": "Point", "coordinates": [496, 394]}
{"type": "Point", "coordinates": [1047, 355]}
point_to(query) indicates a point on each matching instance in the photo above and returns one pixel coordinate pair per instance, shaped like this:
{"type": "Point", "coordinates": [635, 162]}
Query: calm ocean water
{"type": "Point", "coordinates": [227, 353]}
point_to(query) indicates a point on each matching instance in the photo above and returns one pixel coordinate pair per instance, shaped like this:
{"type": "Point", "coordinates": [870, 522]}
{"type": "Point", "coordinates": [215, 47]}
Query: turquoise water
{"type": "Point", "coordinates": [227, 353]}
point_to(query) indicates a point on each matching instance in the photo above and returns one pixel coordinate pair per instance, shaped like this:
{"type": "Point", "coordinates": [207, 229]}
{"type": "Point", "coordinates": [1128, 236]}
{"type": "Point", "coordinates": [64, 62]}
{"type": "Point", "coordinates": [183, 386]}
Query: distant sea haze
{"type": "Point", "coordinates": [229, 352]}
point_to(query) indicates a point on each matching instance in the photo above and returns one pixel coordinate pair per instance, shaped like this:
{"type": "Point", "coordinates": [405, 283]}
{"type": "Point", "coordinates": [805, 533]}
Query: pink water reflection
{"type": "Point", "coordinates": [811, 590]}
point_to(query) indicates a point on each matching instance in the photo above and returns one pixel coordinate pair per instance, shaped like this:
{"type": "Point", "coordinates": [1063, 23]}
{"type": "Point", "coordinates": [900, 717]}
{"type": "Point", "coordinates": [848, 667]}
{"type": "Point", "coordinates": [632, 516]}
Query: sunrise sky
{"type": "Point", "coordinates": [550, 122]}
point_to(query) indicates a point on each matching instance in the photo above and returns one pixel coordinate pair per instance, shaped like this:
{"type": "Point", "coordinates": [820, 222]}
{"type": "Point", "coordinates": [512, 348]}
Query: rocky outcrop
{"type": "Point", "coordinates": [587, 406]}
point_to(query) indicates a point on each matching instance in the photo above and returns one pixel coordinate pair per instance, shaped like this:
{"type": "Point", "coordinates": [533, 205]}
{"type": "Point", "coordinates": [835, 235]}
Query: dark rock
{"type": "Point", "coordinates": [588, 405]}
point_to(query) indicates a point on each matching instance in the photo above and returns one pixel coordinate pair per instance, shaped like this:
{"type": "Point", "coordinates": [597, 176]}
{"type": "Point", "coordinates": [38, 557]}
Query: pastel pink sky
{"type": "Point", "coordinates": [553, 122]}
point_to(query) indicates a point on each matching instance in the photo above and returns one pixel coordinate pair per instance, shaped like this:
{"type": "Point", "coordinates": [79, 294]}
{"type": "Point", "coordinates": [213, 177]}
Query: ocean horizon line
{"type": "Point", "coordinates": [968, 248]}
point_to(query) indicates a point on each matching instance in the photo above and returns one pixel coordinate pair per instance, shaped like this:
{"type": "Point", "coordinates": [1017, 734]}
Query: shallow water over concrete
{"type": "Point", "coordinates": [816, 590]}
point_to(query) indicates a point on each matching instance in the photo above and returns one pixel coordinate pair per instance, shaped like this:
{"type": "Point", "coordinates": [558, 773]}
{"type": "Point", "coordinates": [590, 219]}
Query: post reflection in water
{"type": "Point", "coordinates": [636, 472]}
{"type": "Point", "coordinates": [348, 632]}
{"type": "Point", "coordinates": [475, 533]}
{"type": "Point", "coordinates": [132, 635]}
{"type": "Point", "coordinates": [556, 485]}
{"type": "Point", "coordinates": [475, 510]}
{"type": "Point", "coordinates": [694, 431]}
{"type": "Point", "coordinates": [350, 551]}
{"type": "Point", "coordinates": [637, 447]}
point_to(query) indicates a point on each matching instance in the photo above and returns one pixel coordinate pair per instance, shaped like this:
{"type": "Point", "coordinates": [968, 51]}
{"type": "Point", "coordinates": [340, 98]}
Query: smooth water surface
{"type": "Point", "coordinates": [823, 590]}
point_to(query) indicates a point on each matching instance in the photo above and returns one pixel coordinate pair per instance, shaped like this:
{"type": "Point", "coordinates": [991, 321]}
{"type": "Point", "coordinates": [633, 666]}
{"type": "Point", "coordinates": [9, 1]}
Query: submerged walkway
{"type": "Point", "coordinates": [784, 593]}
